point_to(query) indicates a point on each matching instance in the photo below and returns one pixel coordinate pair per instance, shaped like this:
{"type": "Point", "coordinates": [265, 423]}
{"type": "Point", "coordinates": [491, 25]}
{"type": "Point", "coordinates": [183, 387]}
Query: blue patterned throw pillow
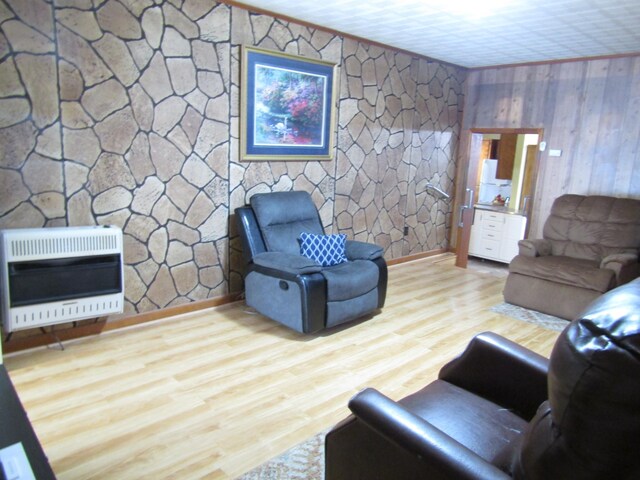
{"type": "Point", "coordinates": [327, 250]}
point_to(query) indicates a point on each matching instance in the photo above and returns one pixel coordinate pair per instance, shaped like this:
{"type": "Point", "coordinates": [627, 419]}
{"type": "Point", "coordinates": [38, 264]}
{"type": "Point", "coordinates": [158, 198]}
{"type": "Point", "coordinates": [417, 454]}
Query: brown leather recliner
{"type": "Point", "coordinates": [502, 411]}
{"type": "Point", "coordinates": [590, 245]}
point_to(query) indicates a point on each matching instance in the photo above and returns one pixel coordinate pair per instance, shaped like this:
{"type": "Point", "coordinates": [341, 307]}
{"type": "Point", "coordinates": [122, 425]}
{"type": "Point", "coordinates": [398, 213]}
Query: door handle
{"type": "Point", "coordinates": [471, 194]}
{"type": "Point", "coordinates": [460, 213]}
{"type": "Point", "coordinates": [469, 204]}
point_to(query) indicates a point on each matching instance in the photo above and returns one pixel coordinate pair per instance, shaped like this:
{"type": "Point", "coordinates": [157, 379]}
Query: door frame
{"type": "Point", "coordinates": [467, 173]}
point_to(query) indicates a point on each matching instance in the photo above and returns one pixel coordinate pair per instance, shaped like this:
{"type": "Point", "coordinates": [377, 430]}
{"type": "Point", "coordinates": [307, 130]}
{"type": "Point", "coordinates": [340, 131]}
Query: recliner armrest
{"type": "Point", "coordinates": [356, 250]}
{"type": "Point", "coordinates": [501, 371]}
{"type": "Point", "coordinates": [538, 247]}
{"type": "Point", "coordinates": [249, 233]}
{"type": "Point", "coordinates": [447, 456]}
{"type": "Point", "coordinates": [286, 262]}
{"type": "Point", "coordinates": [625, 266]}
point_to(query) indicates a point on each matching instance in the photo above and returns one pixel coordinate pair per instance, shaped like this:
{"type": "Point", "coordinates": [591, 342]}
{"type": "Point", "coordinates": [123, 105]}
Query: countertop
{"type": "Point", "coordinates": [499, 208]}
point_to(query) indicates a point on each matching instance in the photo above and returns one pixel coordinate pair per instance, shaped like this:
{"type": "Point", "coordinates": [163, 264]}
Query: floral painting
{"type": "Point", "coordinates": [287, 107]}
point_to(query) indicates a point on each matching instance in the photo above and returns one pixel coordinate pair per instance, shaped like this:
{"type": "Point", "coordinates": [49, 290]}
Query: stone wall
{"type": "Point", "coordinates": [127, 113]}
{"type": "Point", "coordinates": [398, 130]}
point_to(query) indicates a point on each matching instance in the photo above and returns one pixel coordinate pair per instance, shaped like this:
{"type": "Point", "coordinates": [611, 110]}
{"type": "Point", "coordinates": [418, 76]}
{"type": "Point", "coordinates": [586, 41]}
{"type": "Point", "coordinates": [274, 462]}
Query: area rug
{"type": "Point", "coordinates": [305, 461]}
{"type": "Point", "coordinates": [542, 319]}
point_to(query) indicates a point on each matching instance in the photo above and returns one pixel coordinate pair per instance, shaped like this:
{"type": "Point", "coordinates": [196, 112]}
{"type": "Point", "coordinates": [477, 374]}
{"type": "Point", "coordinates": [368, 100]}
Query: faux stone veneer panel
{"type": "Point", "coordinates": [124, 136]}
{"type": "Point", "coordinates": [437, 124]}
{"type": "Point", "coordinates": [127, 113]}
{"type": "Point", "coordinates": [31, 167]}
{"type": "Point", "coordinates": [394, 137]}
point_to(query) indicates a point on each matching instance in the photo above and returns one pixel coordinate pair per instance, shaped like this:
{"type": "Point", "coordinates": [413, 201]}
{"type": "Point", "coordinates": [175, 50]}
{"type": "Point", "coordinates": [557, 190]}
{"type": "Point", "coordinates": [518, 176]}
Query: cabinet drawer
{"type": "Point", "coordinates": [489, 248]}
{"type": "Point", "coordinates": [493, 216]}
{"type": "Point", "coordinates": [492, 225]}
{"type": "Point", "coordinates": [491, 235]}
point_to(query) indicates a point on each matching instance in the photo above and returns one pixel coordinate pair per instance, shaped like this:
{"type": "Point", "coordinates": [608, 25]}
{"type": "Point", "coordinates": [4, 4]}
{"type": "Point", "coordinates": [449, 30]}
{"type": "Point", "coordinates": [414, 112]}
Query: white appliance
{"type": "Point", "coordinates": [490, 186]}
{"type": "Point", "coordinates": [57, 275]}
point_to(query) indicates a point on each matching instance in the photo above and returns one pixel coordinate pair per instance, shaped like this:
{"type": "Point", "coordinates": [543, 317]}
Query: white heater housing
{"type": "Point", "coordinates": [57, 275]}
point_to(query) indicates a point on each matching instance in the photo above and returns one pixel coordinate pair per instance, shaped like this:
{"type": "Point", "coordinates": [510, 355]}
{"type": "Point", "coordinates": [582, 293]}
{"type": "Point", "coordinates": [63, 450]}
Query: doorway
{"type": "Point", "coordinates": [501, 169]}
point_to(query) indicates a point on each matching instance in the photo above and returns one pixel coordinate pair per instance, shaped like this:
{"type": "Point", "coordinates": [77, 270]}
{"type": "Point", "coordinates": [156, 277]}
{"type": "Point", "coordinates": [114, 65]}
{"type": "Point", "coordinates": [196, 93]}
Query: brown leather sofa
{"type": "Point", "coordinates": [500, 411]}
{"type": "Point", "coordinates": [590, 245]}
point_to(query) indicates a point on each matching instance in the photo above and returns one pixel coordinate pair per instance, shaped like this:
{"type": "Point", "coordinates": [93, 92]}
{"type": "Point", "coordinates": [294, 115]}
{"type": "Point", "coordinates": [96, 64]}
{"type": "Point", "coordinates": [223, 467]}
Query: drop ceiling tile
{"type": "Point", "coordinates": [514, 31]}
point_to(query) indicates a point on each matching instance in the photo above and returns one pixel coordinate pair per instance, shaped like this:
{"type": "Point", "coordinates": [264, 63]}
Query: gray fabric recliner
{"type": "Point", "coordinates": [292, 289]}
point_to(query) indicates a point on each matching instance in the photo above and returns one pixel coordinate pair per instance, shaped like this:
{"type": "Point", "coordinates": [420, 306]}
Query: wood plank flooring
{"type": "Point", "coordinates": [213, 394]}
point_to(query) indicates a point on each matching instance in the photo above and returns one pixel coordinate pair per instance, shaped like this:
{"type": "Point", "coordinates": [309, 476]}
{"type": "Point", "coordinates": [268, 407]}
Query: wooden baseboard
{"type": "Point", "coordinates": [416, 256]}
{"type": "Point", "coordinates": [86, 329]}
{"type": "Point", "coordinates": [20, 343]}
{"type": "Point", "coordinates": [171, 311]}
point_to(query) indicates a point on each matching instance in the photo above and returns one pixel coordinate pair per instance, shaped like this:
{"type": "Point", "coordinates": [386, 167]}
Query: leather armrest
{"type": "Point", "coordinates": [501, 371]}
{"type": "Point", "coordinates": [249, 233]}
{"type": "Point", "coordinates": [538, 247]}
{"type": "Point", "coordinates": [362, 250]}
{"type": "Point", "coordinates": [295, 264]}
{"type": "Point", "coordinates": [447, 456]}
{"type": "Point", "coordinates": [625, 266]}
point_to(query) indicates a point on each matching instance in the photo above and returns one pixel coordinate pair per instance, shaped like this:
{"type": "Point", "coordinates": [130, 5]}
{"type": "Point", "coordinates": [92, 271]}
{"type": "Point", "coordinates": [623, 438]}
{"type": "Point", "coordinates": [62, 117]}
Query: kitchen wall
{"type": "Point", "coordinates": [588, 109]}
{"type": "Point", "coordinates": [127, 113]}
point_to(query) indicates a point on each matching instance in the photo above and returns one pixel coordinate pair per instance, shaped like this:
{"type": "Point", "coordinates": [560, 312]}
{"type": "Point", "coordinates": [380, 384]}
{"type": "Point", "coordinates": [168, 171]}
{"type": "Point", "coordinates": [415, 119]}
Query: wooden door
{"type": "Point", "coordinates": [465, 205]}
{"type": "Point", "coordinates": [528, 183]}
{"type": "Point", "coordinates": [506, 155]}
{"type": "Point", "coordinates": [528, 180]}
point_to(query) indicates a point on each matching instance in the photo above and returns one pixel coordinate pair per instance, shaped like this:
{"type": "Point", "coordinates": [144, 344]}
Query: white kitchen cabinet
{"type": "Point", "coordinates": [495, 235]}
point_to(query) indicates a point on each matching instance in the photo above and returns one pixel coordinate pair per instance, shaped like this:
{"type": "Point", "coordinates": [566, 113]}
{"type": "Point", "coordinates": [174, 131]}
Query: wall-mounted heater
{"type": "Point", "coordinates": [57, 275]}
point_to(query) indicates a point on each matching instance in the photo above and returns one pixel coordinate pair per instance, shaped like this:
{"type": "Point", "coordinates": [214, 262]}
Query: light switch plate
{"type": "Point", "coordinates": [15, 464]}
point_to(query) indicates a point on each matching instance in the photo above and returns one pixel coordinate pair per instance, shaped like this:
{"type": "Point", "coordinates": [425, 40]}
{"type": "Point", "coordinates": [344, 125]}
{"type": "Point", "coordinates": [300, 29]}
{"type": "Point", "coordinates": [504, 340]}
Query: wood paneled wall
{"type": "Point", "coordinates": [588, 109]}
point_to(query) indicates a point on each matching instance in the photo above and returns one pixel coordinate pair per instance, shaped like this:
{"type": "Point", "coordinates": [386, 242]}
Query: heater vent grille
{"type": "Point", "coordinates": [60, 312]}
{"type": "Point", "coordinates": [62, 246]}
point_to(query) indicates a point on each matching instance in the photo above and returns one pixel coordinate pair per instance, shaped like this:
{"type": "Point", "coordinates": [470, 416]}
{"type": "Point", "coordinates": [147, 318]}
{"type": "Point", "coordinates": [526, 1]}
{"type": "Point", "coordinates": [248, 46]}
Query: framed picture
{"type": "Point", "coordinates": [287, 107]}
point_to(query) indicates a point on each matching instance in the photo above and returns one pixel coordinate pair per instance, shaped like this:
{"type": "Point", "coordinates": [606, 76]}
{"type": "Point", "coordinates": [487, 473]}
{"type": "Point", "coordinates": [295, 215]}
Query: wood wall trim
{"type": "Point", "coordinates": [171, 311]}
{"type": "Point", "coordinates": [286, 18]}
{"type": "Point", "coordinates": [17, 344]}
{"type": "Point", "coordinates": [100, 326]}
{"type": "Point", "coordinates": [416, 256]}
{"type": "Point", "coordinates": [552, 62]}
{"type": "Point", "coordinates": [519, 131]}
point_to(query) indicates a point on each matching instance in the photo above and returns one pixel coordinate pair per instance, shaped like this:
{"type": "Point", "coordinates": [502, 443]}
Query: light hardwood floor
{"type": "Point", "coordinates": [213, 394]}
